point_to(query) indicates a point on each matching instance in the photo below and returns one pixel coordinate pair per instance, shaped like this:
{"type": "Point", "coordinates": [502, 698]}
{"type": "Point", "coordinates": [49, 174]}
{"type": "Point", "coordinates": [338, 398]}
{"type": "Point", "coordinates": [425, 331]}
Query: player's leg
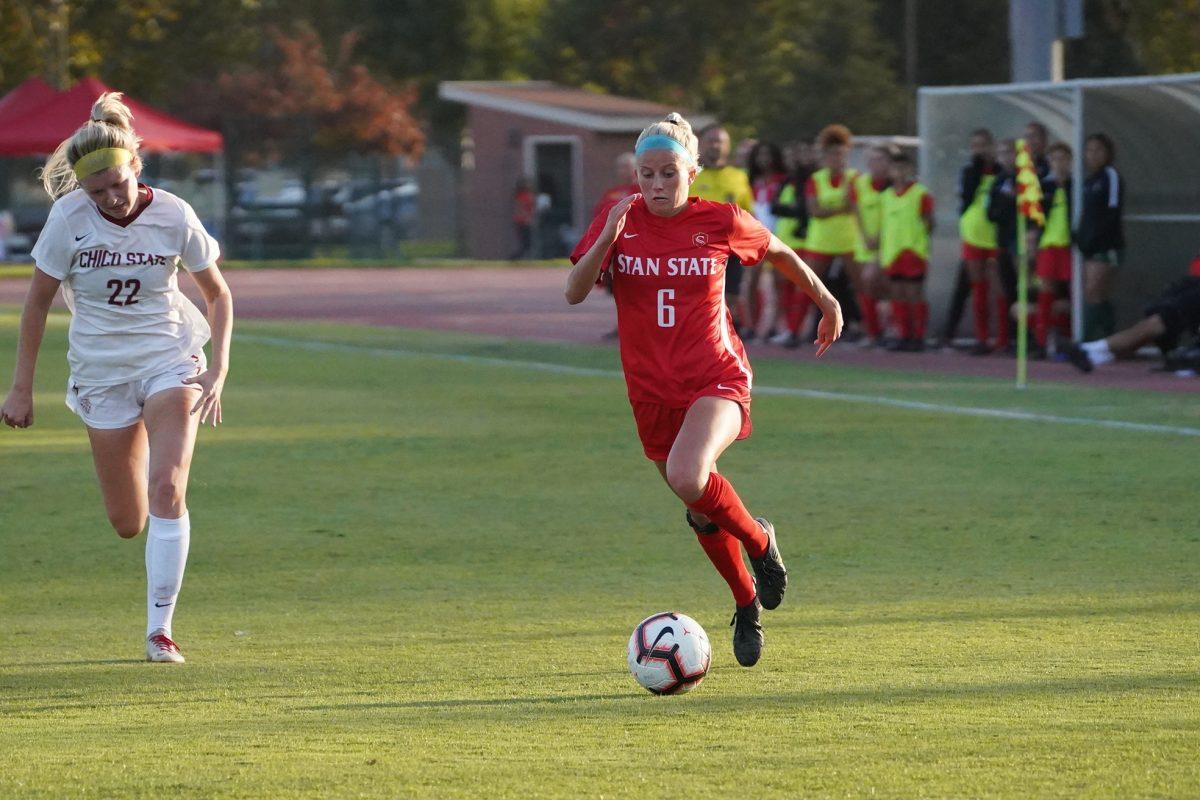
{"type": "Point", "coordinates": [919, 309]}
{"type": "Point", "coordinates": [1097, 275]}
{"type": "Point", "coordinates": [171, 429]}
{"type": "Point", "coordinates": [724, 551]}
{"type": "Point", "coordinates": [860, 279]}
{"type": "Point", "coordinates": [978, 276]}
{"type": "Point", "coordinates": [120, 458]}
{"type": "Point", "coordinates": [1126, 342]}
{"type": "Point", "coordinates": [996, 268]}
{"type": "Point", "coordinates": [710, 426]}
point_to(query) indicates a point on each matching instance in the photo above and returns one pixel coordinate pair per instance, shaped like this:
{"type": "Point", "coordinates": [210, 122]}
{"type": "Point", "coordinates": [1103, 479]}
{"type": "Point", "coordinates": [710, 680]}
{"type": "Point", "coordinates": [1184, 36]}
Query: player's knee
{"type": "Point", "coordinates": [127, 526]}
{"type": "Point", "coordinates": [167, 493]}
{"type": "Point", "coordinates": [685, 480]}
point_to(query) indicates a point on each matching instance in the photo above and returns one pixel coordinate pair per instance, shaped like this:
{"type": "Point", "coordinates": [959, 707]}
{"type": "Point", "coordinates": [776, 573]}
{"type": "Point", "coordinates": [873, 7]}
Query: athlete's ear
{"type": "Point", "coordinates": [136, 166]}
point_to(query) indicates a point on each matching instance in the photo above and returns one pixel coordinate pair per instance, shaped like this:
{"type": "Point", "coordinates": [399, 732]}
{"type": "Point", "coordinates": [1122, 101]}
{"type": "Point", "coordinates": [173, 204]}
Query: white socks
{"type": "Point", "coordinates": [1098, 352]}
{"type": "Point", "coordinates": [166, 554]}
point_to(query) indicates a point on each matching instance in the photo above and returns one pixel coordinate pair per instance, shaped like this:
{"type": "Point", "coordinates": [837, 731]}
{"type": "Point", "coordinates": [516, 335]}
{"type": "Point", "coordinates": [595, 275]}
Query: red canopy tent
{"type": "Point", "coordinates": [23, 100]}
{"type": "Point", "coordinates": [44, 126]}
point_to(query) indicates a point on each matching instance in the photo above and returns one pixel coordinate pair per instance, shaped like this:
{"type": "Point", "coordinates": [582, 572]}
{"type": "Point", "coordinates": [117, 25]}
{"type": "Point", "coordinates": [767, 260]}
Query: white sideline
{"type": "Point", "coordinates": [759, 389]}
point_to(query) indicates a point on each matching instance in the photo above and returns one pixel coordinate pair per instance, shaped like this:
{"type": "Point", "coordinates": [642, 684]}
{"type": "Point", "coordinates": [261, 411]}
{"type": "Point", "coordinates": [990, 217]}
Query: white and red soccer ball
{"type": "Point", "coordinates": [669, 653]}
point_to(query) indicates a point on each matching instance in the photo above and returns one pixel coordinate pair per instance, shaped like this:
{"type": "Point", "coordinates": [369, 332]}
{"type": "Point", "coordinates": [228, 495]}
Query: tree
{"type": "Point", "coordinates": [780, 68]}
{"type": "Point", "coordinates": [299, 103]}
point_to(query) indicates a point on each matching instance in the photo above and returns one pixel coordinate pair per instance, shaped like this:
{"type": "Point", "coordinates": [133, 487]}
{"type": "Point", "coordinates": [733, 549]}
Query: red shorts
{"type": "Point", "coordinates": [907, 265]}
{"type": "Point", "coordinates": [972, 253]}
{"type": "Point", "coordinates": [658, 425]}
{"type": "Point", "coordinates": [1054, 263]}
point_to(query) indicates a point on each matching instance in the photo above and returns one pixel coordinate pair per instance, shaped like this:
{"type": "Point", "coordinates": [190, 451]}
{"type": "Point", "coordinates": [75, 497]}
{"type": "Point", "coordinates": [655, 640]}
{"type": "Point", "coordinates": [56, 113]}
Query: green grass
{"type": "Point", "coordinates": [415, 577]}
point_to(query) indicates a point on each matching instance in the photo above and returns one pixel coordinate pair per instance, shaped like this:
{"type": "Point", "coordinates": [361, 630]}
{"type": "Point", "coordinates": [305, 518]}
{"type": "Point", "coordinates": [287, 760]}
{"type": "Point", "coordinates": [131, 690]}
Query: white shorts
{"type": "Point", "coordinates": [119, 406]}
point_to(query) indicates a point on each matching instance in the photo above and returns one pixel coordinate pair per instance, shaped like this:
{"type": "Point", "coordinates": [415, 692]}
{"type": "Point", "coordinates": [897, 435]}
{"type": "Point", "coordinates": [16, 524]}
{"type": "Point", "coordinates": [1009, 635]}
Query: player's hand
{"type": "Point", "coordinates": [616, 215]}
{"type": "Point", "coordinates": [829, 329]}
{"type": "Point", "coordinates": [211, 383]}
{"type": "Point", "coordinates": [17, 411]}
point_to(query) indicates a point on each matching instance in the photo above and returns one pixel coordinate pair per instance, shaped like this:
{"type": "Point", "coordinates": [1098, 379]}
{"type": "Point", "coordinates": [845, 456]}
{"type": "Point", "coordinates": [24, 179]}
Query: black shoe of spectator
{"type": "Point", "coordinates": [1037, 352]}
{"type": "Point", "coordinates": [1079, 357]}
{"type": "Point", "coordinates": [793, 341]}
{"type": "Point", "coordinates": [895, 345]}
{"type": "Point", "coordinates": [914, 346]}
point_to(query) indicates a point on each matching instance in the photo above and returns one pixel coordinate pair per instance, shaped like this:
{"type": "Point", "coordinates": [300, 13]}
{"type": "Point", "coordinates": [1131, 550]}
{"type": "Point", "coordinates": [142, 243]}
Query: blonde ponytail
{"type": "Point", "coordinates": [110, 125]}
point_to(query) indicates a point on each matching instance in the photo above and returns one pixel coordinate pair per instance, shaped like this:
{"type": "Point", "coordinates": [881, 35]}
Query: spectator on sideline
{"type": "Point", "coordinates": [791, 226]}
{"type": "Point", "coordinates": [905, 224]}
{"type": "Point", "coordinates": [1037, 138]}
{"type": "Point", "coordinates": [1054, 261]}
{"type": "Point", "coordinates": [1176, 312]}
{"type": "Point", "coordinates": [722, 182]}
{"type": "Point", "coordinates": [867, 192]}
{"type": "Point", "coordinates": [767, 175]}
{"type": "Point", "coordinates": [1002, 212]}
{"type": "Point", "coordinates": [1100, 236]}
{"type": "Point", "coordinates": [978, 234]}
{"type": "Point", "coordinates": [524, 208]}
{"type": "Point", "coordinates": [832, 221]}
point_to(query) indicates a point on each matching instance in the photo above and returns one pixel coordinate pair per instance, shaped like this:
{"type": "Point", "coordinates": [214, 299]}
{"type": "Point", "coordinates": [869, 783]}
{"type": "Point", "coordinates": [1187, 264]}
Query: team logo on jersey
{"type": "Point", "coordinates": [700, 239]}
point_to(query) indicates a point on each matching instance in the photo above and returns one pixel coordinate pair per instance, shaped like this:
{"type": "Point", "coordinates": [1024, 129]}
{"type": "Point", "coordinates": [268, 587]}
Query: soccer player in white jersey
{"type": "Point", "coordinates": [139, 377]}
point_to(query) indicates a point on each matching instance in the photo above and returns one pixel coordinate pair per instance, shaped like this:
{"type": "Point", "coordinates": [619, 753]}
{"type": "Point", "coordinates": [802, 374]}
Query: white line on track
{"type": "Point", "coordinates": [759, 389]}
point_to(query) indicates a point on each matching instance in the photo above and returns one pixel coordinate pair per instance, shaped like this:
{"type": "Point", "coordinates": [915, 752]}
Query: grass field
{"type": "Point", "coordinates": [414, 575]}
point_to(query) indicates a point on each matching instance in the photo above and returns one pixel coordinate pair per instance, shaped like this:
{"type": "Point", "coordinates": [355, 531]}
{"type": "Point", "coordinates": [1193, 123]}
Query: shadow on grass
{"type": "Point", "coordinates": [995, 613]}
{"type": "Point", "coordinates": [98, 662]}
{"type": "Point", "coordinates": [873, 695]}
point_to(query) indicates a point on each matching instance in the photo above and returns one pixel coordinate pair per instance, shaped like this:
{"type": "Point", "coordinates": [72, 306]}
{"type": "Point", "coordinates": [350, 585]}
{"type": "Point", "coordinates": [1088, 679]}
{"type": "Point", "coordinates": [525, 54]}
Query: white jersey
{"type": "Point", "coordinates": [129, 318]}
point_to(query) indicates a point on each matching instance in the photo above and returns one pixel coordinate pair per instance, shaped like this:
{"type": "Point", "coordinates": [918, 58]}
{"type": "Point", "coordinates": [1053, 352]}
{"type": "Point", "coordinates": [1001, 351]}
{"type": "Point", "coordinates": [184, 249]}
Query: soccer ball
{"type": "Point", "coordinates": [669, 653]}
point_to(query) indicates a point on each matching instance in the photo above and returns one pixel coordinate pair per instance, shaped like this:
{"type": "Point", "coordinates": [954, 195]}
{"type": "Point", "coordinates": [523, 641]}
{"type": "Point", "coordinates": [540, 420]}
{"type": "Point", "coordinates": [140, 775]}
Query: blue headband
{"type": "Point", "coordinates": [660, 142]}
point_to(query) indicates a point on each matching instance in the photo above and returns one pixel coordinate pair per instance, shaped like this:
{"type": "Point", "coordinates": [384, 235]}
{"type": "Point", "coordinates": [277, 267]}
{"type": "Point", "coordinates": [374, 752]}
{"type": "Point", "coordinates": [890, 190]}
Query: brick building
{"type": "Point", "coordinates": [563, 140]}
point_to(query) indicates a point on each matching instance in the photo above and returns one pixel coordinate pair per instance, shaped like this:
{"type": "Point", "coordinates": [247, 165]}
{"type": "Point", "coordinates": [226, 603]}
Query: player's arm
{"type": "Point", "coordinates": [219, 301]}
{"type": "Point", "coordinates": [17, 411]}
{"type": "Point", "coordinates": [585, 272]}
{"type": "Point", "coordinates": [791, 266]}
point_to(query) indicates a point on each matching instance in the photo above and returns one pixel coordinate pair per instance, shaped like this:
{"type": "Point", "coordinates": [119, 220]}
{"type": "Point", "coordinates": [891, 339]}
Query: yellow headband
{"type": "Point", "coordinates": [100, 160]}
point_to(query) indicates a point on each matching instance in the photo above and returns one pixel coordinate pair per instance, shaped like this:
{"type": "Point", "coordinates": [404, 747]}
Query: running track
{"type": "Point", "coordinates": [527, 303]}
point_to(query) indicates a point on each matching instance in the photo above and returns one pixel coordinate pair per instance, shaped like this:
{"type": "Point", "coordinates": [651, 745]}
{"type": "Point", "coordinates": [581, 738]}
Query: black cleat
{"type": "Point", "coordinates": [769, 573]}
{"type": "Point", "coordinates": [747, 633]}
{"type": "Point", "coordinates": [1079, 357]}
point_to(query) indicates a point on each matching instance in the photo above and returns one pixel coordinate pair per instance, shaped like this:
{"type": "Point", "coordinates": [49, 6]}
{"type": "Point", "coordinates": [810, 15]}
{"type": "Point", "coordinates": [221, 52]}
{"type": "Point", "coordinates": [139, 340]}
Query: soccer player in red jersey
{"type": "Point", "coordinates": [686, 370]}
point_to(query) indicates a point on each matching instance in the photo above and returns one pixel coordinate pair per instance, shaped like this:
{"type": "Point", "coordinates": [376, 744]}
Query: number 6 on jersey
{"type": "Point", "coordinates": [666, 313]}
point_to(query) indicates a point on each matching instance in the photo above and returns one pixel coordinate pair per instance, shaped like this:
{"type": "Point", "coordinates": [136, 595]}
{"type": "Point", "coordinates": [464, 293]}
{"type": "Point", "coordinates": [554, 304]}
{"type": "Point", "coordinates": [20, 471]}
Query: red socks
{"type": "Point", "coordinates": [1002, 322]}
{"type": "Point", "coordinates": [721, 504]}
{"type": "Point", "coordinates": [1041, 325]}
{"type": "Point", "coordinates": [900, 313]}
{"type": "Point", "coordinates": [725, 553]}
{"type": "Point", "coordinates": [797, 309]}
{"type": "Point", "coordinates": [870, 315]}
{"type": "Point", "coordinates": [920, 312]}
{"type": "Point", "coordinates": [979, 305]}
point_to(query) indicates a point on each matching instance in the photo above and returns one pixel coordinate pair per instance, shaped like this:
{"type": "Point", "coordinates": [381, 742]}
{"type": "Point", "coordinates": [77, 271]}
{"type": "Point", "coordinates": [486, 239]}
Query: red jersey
{"type": "Point", "coordinates": [614, 195]}
{"type": "Point", "coordinates": [668, 280]}
{"type": "Point", "coordinates": [523, 207]}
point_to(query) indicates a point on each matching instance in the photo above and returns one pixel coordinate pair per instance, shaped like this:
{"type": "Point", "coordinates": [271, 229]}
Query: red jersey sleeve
{"type": "Point", "coordinates": [926, 204]}
{"type": "Point", "coordinates": [748, 238]}
{"type": "Point", "coordinates": [810, 188]}
{"type": "Point", "coordinates": [592, 234]}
